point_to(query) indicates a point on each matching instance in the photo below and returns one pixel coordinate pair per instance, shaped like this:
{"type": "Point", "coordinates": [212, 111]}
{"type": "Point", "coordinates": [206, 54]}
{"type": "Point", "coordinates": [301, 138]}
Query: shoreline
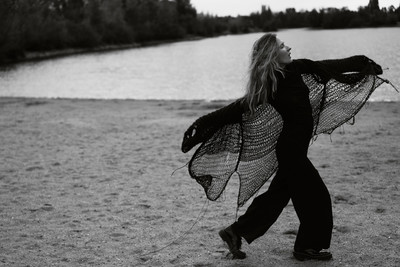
{"type": "Point", "coordinates": [38, 56]}
{"type": "Point", "coordinates": [23, 98]}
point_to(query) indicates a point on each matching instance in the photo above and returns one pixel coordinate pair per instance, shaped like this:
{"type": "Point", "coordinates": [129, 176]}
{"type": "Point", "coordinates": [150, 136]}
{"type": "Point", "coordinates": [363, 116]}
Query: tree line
{"type": "Point", "coordinates": [45, 25]}
{"type": "Point", "coordinates": [330, 18]}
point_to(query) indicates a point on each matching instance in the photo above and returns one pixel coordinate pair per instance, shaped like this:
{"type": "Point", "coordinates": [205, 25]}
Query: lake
{"type": "Point", "coordinates": [209, 69]}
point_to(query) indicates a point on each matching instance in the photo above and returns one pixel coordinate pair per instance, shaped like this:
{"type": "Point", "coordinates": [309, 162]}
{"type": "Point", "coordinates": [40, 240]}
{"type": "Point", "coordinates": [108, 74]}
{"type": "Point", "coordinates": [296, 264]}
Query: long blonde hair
{"type": "Point", "coordinates": [262, 84]}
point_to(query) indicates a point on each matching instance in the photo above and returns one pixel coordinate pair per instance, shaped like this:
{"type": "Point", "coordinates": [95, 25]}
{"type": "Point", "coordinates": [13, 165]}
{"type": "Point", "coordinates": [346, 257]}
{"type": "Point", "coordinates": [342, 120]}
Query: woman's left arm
{"type": "Point", "coordinates": [352, 64]}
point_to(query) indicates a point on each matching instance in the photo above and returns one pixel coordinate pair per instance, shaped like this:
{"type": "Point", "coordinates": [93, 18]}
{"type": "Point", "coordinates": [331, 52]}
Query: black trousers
{"type": "Point", "coordinates": [298, 180]}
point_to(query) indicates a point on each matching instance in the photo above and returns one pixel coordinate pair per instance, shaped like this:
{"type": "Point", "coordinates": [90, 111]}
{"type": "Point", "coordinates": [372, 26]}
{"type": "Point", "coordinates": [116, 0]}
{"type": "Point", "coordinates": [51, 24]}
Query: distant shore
{"type": "Point", "coordinates": [43, 55]}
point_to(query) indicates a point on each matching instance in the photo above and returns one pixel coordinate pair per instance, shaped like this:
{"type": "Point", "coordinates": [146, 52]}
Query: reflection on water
{"type": "Point", "coordinates": [214, 68]}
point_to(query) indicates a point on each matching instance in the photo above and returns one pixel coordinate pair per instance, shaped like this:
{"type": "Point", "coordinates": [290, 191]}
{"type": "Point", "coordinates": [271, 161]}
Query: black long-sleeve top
{"type": "Point", "coordinates": [293, 103]}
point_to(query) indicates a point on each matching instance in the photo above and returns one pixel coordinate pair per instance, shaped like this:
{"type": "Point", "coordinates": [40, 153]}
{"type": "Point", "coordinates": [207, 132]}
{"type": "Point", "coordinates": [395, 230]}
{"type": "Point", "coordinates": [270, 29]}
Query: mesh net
{"type": "Point", "coordinates": [248, 147]}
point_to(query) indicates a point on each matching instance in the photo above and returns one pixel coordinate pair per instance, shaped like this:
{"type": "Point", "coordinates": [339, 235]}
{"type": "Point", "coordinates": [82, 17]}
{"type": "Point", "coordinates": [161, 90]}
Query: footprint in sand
{"type": "Point", "coordinates": [380, 210]}
{"type": "Point", "coordinates": [143, 206]}
{"type": "Point", "coordinates": [117, 235]}
{"type": "Point", "coordinates": [290, 232]}
{"type": "Point", "coordinates": [342, 229]}
{"type": "Point", "coordinates": [47, 207]}
{"type": "Point", "coordinates": [33, 168]}
{"type": "Point", "coordinates": [344, 198]}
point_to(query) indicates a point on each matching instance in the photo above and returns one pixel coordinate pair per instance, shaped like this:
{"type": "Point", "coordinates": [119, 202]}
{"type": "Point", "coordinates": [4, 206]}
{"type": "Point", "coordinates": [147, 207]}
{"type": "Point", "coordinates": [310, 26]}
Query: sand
{"type": "Point", "coordinates": [89, 183]}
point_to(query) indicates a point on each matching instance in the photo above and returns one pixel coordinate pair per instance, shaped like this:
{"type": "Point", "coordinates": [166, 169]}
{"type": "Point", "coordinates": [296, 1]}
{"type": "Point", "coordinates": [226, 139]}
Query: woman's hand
{"type": "Point", "coordinates": [377, 68]}
{"type": "Point", "coordinates": [189, 138]}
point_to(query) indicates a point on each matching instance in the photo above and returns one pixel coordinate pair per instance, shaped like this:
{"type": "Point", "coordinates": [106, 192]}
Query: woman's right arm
{"type": "Point", "coordinates": [204, 127]}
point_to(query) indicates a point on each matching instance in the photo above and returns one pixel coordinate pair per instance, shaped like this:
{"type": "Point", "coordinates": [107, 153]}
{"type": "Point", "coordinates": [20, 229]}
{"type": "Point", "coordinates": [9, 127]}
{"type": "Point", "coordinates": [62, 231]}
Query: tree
{"type": "Point", "coordinates": [186, 16]}
{"type": "Point", "coordinates": [9, 42]}
{"type": "Point", "coordinates": [373, 5]}
{"type": "Point", "coordinates": [315, 18]}
{"type": "Point", "coordinates": [73, 10]}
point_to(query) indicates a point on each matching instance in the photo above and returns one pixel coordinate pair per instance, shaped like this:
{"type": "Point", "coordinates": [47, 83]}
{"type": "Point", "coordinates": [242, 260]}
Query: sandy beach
{"type": "Point", "coordinates": [91, 183]}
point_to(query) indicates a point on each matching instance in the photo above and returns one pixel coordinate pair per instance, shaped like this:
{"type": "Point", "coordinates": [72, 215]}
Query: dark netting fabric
{"type": "Point", "coordinates": [213, 165]}
{"type": "Point", "coordinates": [336, 103]}
{"type": "Point", "coordinates": [247, 146]}
{"type": "Point", "coordinates": [260, 133]}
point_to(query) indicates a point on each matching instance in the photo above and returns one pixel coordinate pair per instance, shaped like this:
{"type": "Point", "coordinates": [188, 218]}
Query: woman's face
{"type": "Point", "coordinates": [283, 53]}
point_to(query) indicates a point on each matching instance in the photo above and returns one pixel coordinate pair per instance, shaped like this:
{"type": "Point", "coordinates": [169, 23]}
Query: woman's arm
{"type": "Point", "coordinates": [352, 64]}
{"type": "Point", "coordinates": [204, 127]}
{"type": "Point", "coordinates": [329, 67]}
{"type": "Point", "coordinates": [337, 68]}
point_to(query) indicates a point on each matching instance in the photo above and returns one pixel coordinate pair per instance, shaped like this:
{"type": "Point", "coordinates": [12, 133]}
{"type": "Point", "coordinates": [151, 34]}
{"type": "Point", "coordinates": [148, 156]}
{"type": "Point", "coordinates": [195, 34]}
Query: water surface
{"type": "Point", "coordinates": [213, 68]}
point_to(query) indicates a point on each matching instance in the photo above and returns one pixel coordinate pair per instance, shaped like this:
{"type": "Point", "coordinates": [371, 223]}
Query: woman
{"type": "Point", "coordinates": [302, 92]}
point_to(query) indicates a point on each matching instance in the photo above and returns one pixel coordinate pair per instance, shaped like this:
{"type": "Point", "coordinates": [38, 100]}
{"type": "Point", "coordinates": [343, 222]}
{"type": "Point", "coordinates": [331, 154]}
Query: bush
{"type": "Point", "coordinates": [82, 35]}
{"type": "Point", "coordinates": [116, 33]}
{"type": "Point", "coordinates": [356, 22]}
{"type": "Point", "coordinates": [167, 30]}
{"type": "Point", "coordinates": [48, 35]}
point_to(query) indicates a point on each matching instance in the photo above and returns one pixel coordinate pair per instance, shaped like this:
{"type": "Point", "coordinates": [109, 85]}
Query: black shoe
{"type": "Point", "coordinates": [234, 242]}
{"type": "Point", "coordinates": [311, 254]}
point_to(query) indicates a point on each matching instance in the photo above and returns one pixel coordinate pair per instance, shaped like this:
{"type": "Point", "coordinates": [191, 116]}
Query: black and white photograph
{"type": "Point", "coordinates": [202, 133]}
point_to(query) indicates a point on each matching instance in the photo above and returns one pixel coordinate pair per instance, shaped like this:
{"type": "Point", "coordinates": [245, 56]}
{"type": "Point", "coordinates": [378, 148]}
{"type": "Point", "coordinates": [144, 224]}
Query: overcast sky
{"type": "Point", "coordinates": [245, 7]}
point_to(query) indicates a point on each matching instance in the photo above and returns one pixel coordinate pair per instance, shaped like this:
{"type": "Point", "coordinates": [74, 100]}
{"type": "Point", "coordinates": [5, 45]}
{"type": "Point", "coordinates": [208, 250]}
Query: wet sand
{"type": "Point", "coordinates": [89, 183]}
